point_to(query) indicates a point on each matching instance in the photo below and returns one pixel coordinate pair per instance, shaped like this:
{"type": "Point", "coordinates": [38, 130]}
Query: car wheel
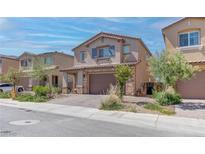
{"type": "Point", "coordinates": [20, 89]}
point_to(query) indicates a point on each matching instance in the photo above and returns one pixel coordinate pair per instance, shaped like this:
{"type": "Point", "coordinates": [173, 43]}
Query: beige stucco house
{"type": "Point", "coordinates": [188, 37]}
{"type": "Point", "coordinates": [7, 62]}
{"type": "Point", "coordinates": [54, 61]}
{"type": "Point", "coordinates": [95, 61]}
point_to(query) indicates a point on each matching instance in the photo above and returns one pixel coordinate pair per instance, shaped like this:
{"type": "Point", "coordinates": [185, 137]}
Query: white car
{"type": "Point", "coordinates": [6, 87]}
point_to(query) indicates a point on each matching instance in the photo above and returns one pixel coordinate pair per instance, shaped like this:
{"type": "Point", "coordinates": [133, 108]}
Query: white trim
{"type": "Point", "coordinates": [189, 39]}
{"type": "Point", "coordinates": [199, 47]}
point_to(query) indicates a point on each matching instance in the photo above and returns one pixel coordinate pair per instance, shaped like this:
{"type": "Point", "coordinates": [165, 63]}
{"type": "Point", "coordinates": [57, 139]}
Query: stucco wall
{"type": "Point", "coordinates": [8, 63]}
{"type": "Point", "coordinates": [142, 72]}
{"type": "Point", "coordinates": [103, 42]}
{"type": "Point", "coordinates": [188, 24]}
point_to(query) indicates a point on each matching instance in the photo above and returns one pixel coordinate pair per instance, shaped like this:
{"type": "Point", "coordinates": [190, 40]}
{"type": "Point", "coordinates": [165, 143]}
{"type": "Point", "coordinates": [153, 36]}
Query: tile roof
{"type": "Point", "coordinates": [96, 66]}
{"type": "Point", "coordinates": [10, 57]}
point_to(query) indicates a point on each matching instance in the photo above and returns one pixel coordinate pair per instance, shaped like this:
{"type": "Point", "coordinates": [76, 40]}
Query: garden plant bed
{"type": "Point", "coordinates": [145, 107]}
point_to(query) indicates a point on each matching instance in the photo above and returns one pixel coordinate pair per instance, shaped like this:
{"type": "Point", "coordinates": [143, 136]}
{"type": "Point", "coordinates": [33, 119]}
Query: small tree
{"type": "Point", "coordinates": [122, 74]}
{"type": "Point", "coordinates": [169, 68]}
{"type": "Point", "coordinates": [39, 71]}
{"type": "Point", "coordinates": [12, 76]}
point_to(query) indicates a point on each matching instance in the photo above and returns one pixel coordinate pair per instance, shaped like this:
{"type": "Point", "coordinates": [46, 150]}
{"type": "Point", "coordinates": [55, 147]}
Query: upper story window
{"type": "Point", "coordinates": [126, 49]}
{"type": "Point", "coordinates": [1, 61]}
{"type": "Point", "coordinates": [94, 53]}
{"type": "Point", "coordinates": [26, 62]}
{"type": "Point", "coordinates": [82, 56]}
{"type": "Point", "coordinates": [103, 52]}
{"type": "Point", "coordinates": [189, 39]}
{"type": "Point", "coordinates": [48, 60]}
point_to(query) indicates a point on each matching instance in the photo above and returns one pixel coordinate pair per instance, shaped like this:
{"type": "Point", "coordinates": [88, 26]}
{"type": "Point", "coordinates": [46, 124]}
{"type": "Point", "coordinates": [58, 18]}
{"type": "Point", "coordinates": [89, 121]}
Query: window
{"type": "Point", "coordinates": [107, 51]}
{"type": "Point", "coordinates": [26, 62]}
{"type": "Point", "coordinates": [82, 56]}
{"type": "Point", "coordinates": [48, 60]}
{"type": "Point", "coordinates": [126, 49]}
{"type": "Point", "coordinates": [94, 53]}
{"type": "Point", "coordinates": [189, 39]}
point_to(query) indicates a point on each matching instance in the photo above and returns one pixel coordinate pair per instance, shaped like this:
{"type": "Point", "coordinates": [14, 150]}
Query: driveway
{"type": "Point", "coordinates": [191, 108]}
{"type": "Point", "coordinates": [92, 101]}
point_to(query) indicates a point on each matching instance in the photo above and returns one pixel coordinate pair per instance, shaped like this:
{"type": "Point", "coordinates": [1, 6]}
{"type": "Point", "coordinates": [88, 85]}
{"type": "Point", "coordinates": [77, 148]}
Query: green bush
{"type": "Point", "coordinates": [31, 98]}
{"type": "Point", "coordinates": [5, 95]}
{"type": "Point", "coordinates": [55, 90]}
{"type": "Point", "coordinates": [157, 107]}
{"type": "Point", "coordinates": [112, 102]}
{"type": "Point", "coordinates": [167, 98]}
{"type": "Point", "coordinates": [42, 90]}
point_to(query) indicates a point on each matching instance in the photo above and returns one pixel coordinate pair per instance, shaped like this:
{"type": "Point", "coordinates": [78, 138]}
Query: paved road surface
{"type": "Point", "coordinates": [59, 125]}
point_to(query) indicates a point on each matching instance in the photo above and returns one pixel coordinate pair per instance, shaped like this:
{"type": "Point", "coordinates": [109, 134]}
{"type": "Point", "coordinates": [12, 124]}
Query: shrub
{"type": "Point", "coordinates": [31, 98]}
{"type": "Point", "coordinates": [167, 98]}
{"type": "Point", "coordinates": [111, 102]}
{"type": "Point", "coordinates": [114, 90]}
{"type": "Point", "coordinates": [5, 95]}
{"type": "Point", "coordinates": [55, 90]}
{"type": "Point", "coordinates": [41, 90]}
{"type": "Point", "coordinates": [157, 107]}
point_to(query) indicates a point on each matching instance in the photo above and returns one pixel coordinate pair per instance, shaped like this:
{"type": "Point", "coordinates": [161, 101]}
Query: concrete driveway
{"type": "Point", "coordinates": [92, 101]}
{"type": "Point", "coordinates": [191, 108]}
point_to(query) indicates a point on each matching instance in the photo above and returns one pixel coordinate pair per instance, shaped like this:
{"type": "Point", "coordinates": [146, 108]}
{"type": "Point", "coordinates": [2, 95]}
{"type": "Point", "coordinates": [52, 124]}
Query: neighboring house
{"type": "Point", "coordinates": [188, 37]}
{"type": "Point", "coordinates": [54, 61]}
{"type": "Point", "coordinates": [7, 62]}
{"type": "Point", "coordinates": [96, 58]}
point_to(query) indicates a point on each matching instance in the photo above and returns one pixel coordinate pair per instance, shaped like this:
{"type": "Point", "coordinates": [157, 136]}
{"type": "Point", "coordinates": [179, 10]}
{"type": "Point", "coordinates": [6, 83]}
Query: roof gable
{"type": "Point", "coordinates": [27, 53]}
{"type": "Point", "coordinates": [181, 20]}
{"type": "Point", "coordinates": [106, 35]}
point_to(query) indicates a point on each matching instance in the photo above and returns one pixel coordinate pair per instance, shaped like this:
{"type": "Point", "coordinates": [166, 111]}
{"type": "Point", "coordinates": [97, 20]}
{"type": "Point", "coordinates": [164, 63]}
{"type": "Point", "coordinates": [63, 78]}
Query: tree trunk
{"type": "Point", "coordinates": [13, 93]}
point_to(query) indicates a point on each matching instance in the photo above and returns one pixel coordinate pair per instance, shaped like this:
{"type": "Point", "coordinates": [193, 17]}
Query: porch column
{"type": "Point", "coordinates": [79, 85]}
{"type": "Point", "coordinates": [65, 83]}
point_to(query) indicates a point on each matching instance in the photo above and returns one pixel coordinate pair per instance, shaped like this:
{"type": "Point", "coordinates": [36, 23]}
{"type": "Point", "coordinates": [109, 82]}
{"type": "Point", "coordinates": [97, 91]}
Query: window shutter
{"type": "Point", "coordinates": [94, 53]}
{"type": "Point", "coordinates": [112, 50]}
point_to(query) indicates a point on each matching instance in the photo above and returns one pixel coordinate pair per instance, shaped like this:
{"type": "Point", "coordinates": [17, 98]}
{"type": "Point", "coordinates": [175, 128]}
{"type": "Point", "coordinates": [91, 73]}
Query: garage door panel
{"type": "Point", "coordinates": [100, 83]}
{"type": "Point", "coordinates": [193, 88]}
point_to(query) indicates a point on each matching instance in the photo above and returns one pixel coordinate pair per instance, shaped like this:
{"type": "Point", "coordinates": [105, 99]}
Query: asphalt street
{"type": "Point", "coordinates": [47, 124]}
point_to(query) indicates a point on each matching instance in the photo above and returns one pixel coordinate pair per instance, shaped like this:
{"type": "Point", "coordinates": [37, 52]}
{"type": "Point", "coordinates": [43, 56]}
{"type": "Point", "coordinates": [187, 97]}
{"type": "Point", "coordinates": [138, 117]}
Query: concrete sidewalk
{"type": "Point", "coordinates": [158, 122]}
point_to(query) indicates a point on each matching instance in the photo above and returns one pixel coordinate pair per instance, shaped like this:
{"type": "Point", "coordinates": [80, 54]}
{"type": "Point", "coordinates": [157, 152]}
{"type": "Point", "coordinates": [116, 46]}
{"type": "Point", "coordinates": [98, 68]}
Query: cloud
{"type": "Point", "coordinates": [85, 30]}
{"type": "Point", "coordinates": [54, 36]}
{"type": "Point", "coordinates": [125, 20]}
{"type": "Point", "coordinates": [163, 23]}
{"type": "Point", "coordinates": [3, 23]}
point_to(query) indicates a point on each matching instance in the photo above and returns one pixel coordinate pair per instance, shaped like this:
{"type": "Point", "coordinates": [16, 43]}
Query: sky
{"type": "Point", "coordinates": [38, 35]}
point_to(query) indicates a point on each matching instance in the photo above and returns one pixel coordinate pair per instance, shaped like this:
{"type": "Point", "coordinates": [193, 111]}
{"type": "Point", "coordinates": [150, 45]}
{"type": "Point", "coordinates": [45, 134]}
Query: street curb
{"type": "Point", "coordinates": [159, 122]}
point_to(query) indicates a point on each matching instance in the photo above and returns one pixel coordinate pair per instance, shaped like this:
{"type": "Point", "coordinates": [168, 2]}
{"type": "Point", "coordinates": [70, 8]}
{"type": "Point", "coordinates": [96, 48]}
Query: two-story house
{"type": "Point", "coordinates": [7, 62]}
{"type": "Point", "coordinates": [188, 37]}
{"type": "Point", "coordinates": [95, 61]}
{"type": "Point", "coordinates": [54, 62]}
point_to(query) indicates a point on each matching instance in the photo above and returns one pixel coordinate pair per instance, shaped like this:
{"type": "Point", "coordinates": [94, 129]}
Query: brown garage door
{"type": "Point", "coordinates": [194, 88]}
{"type": "Point", "coordinates": [100, 83]}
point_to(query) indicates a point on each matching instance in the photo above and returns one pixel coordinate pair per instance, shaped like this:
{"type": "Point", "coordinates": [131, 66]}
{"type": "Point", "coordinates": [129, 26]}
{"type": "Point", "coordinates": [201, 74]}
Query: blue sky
{"type": "Point", "coordinates": [62, 34]}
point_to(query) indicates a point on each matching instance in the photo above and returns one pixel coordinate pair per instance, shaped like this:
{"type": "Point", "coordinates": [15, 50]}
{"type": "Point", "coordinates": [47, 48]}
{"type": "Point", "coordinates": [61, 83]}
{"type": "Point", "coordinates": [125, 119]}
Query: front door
{"type": "Point", "coordinates": [55, 80]}
{"type": "Point", "coordinates": [150, 88]}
